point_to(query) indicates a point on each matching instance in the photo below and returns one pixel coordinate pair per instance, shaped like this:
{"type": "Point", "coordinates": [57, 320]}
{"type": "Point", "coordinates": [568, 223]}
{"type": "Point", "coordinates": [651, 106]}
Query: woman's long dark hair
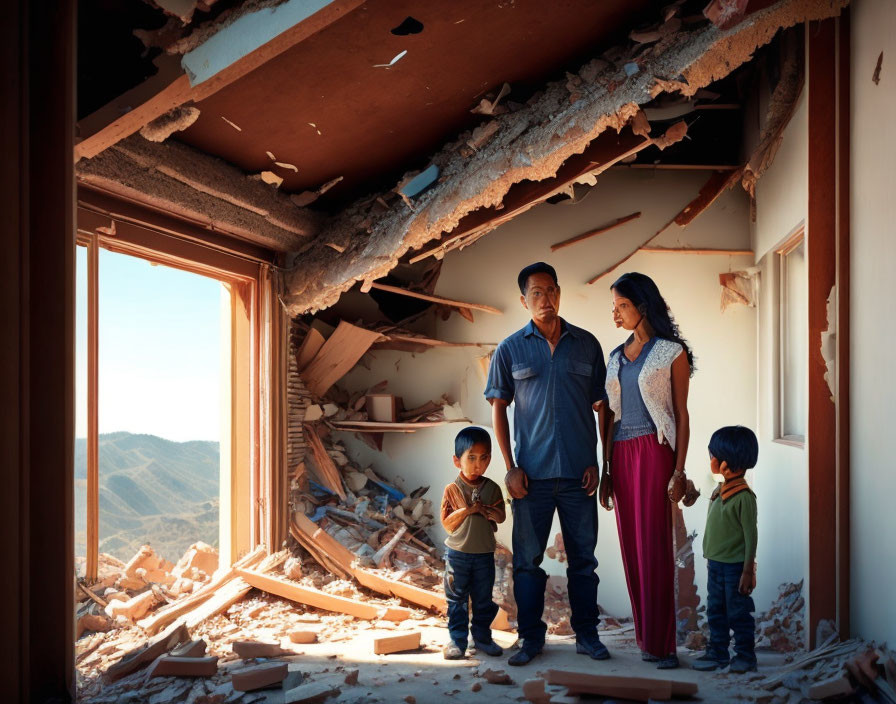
{"type": "Point", "coordinates": [644, 294]}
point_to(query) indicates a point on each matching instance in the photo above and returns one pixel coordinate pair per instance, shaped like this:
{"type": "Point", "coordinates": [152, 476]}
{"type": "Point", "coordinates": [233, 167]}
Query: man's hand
{"type": "Point", "coordinates": [589, 480]}
{"type": "Point", "coordinates": [747, 582]}
{"type": "Point", "coordinates": [606, 489]}
{"type": "Point", "coordinates": [517, 483]}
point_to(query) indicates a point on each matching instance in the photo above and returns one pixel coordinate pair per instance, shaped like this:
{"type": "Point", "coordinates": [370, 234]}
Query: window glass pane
{"type": "Point", "coordinates": [159, 407]}
{"type": "Point", "coordinates": [795, 335]}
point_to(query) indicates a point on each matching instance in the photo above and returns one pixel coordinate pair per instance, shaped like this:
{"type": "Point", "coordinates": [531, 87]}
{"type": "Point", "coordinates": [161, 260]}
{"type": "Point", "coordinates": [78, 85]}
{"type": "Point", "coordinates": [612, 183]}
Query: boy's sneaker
{"type": "Point", "coordinates": [592, 647]}
{"type": "Point", "coordinates": [490, 648]}
{"type": "Point", "coordinates": [707, 663]}
{"type": "Point", "coordinates": [525, 654]}
{"type": "Point", "coordinates": [740, 665]}
{"type": "Point", "coordinates": [453, 651]}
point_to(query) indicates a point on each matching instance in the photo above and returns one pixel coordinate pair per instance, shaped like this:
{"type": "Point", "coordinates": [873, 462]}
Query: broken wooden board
{"type": "Point", "coordinates": [716, 184]}
{"type": "Point", "coordinates": [337, 356]}
{"type": "Point", "coordinates": [321, 600]}
{"type": "Point", "coordinates": [248, 679]}
{"type": "Point", "coordinates": [640, 689]}
{"type": "Point", "coordinates": [174, 635]}
{"type": "Point", "coordinates": [328, 473]}
{"type": "Point", "coordinates": [437, 299]}
{"type": "Point", "coordinates": [314, 339]}
{"type": "Point", "coordinates": [598, 231]}
{"type": "Point", "coordinates": [167, 614]}
{"type": "Point", "coordinates": [397, 644]}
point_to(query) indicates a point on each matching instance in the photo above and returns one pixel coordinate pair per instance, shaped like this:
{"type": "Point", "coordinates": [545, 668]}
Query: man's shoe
{"type": "Point", "coordinates": [525, 654]}
{"type": "Point", "coordinates": [670, 662]}
{"type": "Point", "coordinates": [739, 666]}
{"type": "Point", "coordinates": [707, 663]}
{"type": "Point", "coordinates": [453, 651]}
{"type": "Point", "coordinates": [592, 647]}
{"type": "Point", "coordinates": [490, 648]}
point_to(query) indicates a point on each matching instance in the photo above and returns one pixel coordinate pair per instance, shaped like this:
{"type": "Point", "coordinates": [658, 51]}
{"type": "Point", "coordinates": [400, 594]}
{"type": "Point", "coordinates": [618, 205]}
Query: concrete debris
{"type": "Point", "coordinates": [175, 120]}
{"type": "Point", "coordinates": [781, 628]}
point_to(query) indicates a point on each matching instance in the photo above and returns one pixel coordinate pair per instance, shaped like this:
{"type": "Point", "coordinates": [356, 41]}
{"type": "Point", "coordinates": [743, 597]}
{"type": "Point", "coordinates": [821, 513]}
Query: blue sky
{"type": "Point", "coordinates": [159, 348]}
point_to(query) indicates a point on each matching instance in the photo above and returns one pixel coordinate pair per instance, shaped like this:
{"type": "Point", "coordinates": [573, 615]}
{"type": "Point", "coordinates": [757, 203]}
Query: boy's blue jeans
{"type": "Point", "coordinates": [469, 577]}
{"type": "Point", "coordinates": [728, 610]}
{"type": "Point", "coordinates": [532, 519]}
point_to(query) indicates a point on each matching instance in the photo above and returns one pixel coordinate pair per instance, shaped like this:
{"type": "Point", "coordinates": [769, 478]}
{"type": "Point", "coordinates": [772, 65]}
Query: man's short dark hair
{"type": "Point", "coordinates": [536, 268]}
{"type": "Point", "coordinates": [735, 445]}
{"type": "Point", "coordinates": [468, 437]}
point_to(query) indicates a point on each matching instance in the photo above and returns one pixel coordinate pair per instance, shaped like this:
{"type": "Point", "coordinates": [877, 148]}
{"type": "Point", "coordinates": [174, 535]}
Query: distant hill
{"type": "Point", "coordinates": [152, 491]}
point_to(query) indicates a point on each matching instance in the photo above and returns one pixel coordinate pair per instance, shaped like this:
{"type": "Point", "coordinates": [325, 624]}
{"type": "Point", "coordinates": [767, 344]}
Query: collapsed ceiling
{"type": "Point", "coordinates": [333, 109]}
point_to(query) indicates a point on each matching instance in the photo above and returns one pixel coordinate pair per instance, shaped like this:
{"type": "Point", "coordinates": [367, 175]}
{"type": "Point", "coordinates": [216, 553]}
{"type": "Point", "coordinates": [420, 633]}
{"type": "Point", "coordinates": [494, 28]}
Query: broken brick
{"type": "Point", "coordinates": [259, 676]}
{"type": "Point", "coordinates": [396, 644]}
{"type": "Point", "coordinates": [170, 666]}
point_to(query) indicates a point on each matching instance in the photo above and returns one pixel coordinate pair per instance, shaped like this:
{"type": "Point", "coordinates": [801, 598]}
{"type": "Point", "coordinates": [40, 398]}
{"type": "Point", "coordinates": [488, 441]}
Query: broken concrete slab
{"type": "Point", "coordinates": [310, 693]}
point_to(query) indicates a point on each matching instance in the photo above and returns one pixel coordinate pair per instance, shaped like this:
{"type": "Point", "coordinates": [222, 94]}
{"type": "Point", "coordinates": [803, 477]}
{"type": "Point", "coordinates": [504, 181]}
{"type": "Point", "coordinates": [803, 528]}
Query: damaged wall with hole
{"type": "Point", "coordinates": [873, 212]}
{"type": "Point", "coordinates": [486, 273]}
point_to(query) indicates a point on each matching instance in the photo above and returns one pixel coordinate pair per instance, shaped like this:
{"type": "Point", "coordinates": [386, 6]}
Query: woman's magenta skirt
{"type": "Point", "coordinates": [641, 469]}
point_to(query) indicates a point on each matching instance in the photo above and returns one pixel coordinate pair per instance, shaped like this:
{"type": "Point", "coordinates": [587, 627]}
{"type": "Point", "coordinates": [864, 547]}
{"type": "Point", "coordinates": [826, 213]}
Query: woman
{"type": "Point", "coordinates": [647, 386]}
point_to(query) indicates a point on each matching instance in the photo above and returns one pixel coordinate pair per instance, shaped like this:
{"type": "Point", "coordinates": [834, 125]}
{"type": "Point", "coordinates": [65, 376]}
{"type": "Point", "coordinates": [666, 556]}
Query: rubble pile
{"type": "Point", "coordinates": [781, 627]}
{"type": "Point", "coordinates": [852, 670]}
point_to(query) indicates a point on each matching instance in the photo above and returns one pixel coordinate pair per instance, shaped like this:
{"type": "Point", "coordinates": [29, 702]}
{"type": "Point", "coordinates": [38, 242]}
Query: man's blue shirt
{"type": "Point", "coordinates": [554, 432]}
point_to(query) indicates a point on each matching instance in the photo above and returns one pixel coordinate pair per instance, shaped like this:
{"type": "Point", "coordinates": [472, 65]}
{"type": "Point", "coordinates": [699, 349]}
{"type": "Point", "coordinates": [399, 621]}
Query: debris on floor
{"type": "Point", "coordinates": [781, 627]}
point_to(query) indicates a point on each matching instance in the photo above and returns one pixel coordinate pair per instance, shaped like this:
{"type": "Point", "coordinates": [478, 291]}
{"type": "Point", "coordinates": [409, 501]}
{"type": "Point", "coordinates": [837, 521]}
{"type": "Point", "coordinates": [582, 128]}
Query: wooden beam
{"type": "Point", "coordinates": [715, 185]}
{"type": "Point", "coordinates": [327, 471]}
{"type": "Point", "coordinates": [821, 250]}
{"type": "Point", "coordinates": [592, 233]}
{"type": "Point", "coordinates": [436, 299]}
{"type": "Point", "coordinates": [369, 426]}
{"type": "Point", "coordinates": [691, 250]}
{"type": "Point", "coordinates": [321, 600]}
{"type": "Point", "coordinates": [178, 91]}
{"type": "Point", "coordinates": [338, 355]}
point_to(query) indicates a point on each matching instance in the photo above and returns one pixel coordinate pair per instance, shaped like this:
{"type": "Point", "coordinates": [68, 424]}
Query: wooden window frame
{"type": "Point", "coordinates": [793, 240]}
{"type": "Point", "coordinates": [250, 511]}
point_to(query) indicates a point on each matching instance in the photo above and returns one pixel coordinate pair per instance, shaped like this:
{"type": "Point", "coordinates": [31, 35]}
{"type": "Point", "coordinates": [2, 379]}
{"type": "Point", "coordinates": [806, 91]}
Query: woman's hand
{"type": "Point", "coordinates": [677, 486]}
{"type": "Point", "coordinates": [605, 496]}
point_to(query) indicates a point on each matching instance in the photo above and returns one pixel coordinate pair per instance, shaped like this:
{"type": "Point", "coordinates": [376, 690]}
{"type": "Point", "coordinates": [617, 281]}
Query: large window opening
{"type": "Point", "coordinates": [159, 407]}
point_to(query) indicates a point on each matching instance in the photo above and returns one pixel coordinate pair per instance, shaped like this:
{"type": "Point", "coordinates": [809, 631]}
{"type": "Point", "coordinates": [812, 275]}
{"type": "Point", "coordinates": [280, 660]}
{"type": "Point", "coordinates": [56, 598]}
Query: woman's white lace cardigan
{"type": "Point", "coordinates": [655, 382]}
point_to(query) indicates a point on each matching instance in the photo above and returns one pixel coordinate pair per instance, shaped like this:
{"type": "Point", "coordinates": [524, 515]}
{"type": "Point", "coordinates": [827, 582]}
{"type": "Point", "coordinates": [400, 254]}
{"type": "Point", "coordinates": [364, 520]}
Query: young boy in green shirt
{"type": "Point", "coordinates": [472, 506]}
{"type": "Point", "coordinates": [729, 546]}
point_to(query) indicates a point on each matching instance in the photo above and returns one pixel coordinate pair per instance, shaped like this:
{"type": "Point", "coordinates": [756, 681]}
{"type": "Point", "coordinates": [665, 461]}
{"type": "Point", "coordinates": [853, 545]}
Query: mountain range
{"type": "Point", "coordinates": [152, 491]}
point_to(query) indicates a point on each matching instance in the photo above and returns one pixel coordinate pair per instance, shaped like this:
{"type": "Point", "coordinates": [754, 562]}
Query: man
{"type": "Point", "coordinates": [553, 372]}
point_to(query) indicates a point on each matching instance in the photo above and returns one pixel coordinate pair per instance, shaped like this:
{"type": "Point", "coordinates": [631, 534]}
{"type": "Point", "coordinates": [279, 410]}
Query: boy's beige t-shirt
{"type": "Point", "coordinates": [475, 534]}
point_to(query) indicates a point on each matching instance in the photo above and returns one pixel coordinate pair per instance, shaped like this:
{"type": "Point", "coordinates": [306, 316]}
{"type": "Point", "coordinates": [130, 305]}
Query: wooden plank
{"type": "Point", "coordinates": [337, 356]}
{"type": "Point", "coordinates": [328, 472]}
{"type": "Point", "coordinates": [436, 299]}
{"type": "Point", "coordinates": [315, 338]}
{"type": "Point", "coordinates": [248, 679]}
{"type": "Point", "coordinates": [220, 601]}
{"type": "Point", "coordinates": [691, 250]}
{"type": "Point", "coordinates": [167, 614]}
{"type": "Point", "coordinates": [310, 597]}
{"type": "Point", "coordinates": [172, 666]}
{"type": "Point", "coordinates": [640, 689]}
{"type": "Point", "coordinates": [303, 537]}
{"type": "Point", "coordinates": [408, 592]}
{"type": "Point", "coordinates": [397, 644]}
{"type": "Point", "coordinates": [367, 426]}
{"type": "Point", "coordinates": [592, 233]}
{"type": "Point", "coordinates": [715, 185]}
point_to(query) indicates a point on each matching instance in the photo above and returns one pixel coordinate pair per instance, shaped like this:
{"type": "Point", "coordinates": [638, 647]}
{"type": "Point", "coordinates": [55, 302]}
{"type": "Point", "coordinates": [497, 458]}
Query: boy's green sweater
{"type": "Point", "coordinates": [731, 534]}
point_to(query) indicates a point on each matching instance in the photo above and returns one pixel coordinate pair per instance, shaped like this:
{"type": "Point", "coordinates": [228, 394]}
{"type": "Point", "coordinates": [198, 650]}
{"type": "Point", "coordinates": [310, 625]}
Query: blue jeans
{"type": "Point", "coordinates": [728, 610]}
{"type": "Point", "coordinates": [532, 518]}
{"type": "Point", "coordinates": [469, 577]}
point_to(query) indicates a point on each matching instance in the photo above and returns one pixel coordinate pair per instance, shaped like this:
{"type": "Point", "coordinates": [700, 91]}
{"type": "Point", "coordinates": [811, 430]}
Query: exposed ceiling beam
{"type": "Point", "coordinates": [531, 144]}
{"type": "Point", "coordinates": [227, 55]}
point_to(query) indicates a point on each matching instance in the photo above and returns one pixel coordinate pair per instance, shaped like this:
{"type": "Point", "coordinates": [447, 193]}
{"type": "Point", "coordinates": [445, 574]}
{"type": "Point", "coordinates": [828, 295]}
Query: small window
{"type": "Point", "coordinates": [793, 339]}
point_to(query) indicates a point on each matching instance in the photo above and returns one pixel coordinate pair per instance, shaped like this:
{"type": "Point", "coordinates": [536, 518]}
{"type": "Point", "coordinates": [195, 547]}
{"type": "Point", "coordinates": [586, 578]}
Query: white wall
{"type": "Point", "coordinates": [872, 317]}
{"type": "Point", "coordinates": [782, 472]}
{"type": "Point", "coordinates": [722, 391]}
